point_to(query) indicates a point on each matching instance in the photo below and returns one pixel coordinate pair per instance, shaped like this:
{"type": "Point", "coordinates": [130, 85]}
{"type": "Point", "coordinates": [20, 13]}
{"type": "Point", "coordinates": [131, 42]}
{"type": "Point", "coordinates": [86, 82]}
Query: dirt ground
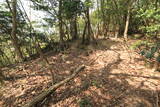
{"type": "Point", "coordinates": [114, 77]}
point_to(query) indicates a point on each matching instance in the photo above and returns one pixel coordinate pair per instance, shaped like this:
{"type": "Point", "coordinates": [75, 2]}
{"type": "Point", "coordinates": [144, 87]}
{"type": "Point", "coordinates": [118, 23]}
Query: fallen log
{"type": "Point", "coordinates": [48, 91]}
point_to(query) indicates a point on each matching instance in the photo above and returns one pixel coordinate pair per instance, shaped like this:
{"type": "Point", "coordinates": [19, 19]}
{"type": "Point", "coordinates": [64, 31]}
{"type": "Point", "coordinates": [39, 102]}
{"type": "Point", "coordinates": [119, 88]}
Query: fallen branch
{"type": "Point", "coordinates": [52, 88]}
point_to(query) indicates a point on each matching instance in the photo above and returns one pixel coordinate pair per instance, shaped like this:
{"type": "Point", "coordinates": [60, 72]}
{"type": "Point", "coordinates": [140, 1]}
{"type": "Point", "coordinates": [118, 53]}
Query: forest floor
{"type": "Point", "coordinates": [114, 77]}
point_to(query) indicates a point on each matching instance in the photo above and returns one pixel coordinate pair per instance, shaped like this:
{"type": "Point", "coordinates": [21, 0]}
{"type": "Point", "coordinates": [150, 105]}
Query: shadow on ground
{"type": "Point", "coordinates": [101, 89]}
{"type": "Point", "coordinates": [92, 87]}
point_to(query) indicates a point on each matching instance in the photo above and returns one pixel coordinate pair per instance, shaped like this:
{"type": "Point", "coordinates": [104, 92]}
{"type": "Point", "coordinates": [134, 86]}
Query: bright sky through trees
{"type": "Point", "coordinates": [33, 14]}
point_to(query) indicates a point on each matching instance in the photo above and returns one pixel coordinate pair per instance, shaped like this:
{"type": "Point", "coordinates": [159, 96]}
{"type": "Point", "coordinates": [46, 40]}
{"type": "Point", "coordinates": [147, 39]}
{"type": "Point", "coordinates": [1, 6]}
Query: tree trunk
{"type": "Point", "coordinates": [127, 25]}
{"type": "Point", "coordinates": [84, 33]}
{"type": "Point", "coordinates": [2, 77]}
{"type": "Point", "coordinates": [102, 3]}
{"type": "Point", "coordinates": [98, 31]}
{"type": "Point", "coordinates": [61, 30]}
{"type": "Point", "coordinates": [87, 32]}
{"type": "Point", "coordinates": [73, 28]}
{"type": "Point", "coordinates": [14, 38]}
{"type": "Point", "coordinates": [107, 28]}
{"type": "Point", "coordinates": [116, 31]}
{"type": "Point", "coordinates": [116, 28]}
{"type": "Point", "coordinates": [88, 37]}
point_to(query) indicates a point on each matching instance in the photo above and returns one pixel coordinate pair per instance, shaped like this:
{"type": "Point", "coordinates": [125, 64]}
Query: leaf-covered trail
{"type": "Point", "coordinates": [114, 77]}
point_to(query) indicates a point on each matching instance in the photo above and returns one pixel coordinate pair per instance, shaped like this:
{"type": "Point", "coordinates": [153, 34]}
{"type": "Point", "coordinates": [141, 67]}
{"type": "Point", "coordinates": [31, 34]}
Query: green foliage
{"type": "Point", "coordinates": [151, 18]}
{"type": "Point", "coordinates": [95, 17]}
{"type": "Point", "coordinates": [96, 83]}
{"type": "Point", "coordinates": [85, 102]}
{"type": "Point", "coordinates": [137, 36]}
{"type": "Point", "coordinates": [107, 14]}
{"type": "Point", "coordinates": [88, 3]}
{"type": "Point", "coordinates": [147, 49]}
{"type": "Point", "coordinates": [154, 49]}
{"type": "Point", "coordinates": [72, 8]}
{"type": "Point", "coordinates": [142, 52]}
{"type": "Point", "coordinates": [140, 43]}
{"type": "Point", "coordinates": [24, 35]}
{"type": "Point", "coordinates": [149, 55]}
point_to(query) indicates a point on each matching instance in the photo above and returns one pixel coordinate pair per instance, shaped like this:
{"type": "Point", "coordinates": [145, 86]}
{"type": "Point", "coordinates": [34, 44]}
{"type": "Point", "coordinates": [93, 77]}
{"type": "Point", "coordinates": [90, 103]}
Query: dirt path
{"type": "Point", "coordinates": [114, 77]}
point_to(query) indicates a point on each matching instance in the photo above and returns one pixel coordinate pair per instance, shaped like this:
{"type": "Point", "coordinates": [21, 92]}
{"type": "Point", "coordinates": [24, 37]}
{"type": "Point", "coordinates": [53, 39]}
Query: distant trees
{"type": "Point", "coordinates": [87, 33]}
{"type": "Point", "coordinates": [16, 36]}
{"type": "Point", "coordinates": [149, 24]}
{"type": "Point", "coordinates": [72, 9]}
{"type": "Point", "coordinates": [73, 20]}
{"type": "Point", "coordinates": [104, 16]}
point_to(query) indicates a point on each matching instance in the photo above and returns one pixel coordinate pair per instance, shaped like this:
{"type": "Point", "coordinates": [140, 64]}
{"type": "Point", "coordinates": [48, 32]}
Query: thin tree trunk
{"type": "Point", "coordinates": [98, 31]}
{"type": "Point", "coordinates": [116, 31]}
{"type": "Point", "coordinates": [102, 3]}
{"type": "Point", "coordinates": [84, 33]}
{"type": "Point", "coordinates": [107, 28]}
{"type": "Point", "coordinates": [14, 38]}
{"type": "Point", "coordinates": [88, 38]}
{"type": "Point", "coordinates": [127, 25]}
{"type": "Point", "coordinates": [67, 32]}
{"type": "Point", "coordinates": [61, 31]}
{"type": "Point", "coordinates": [73, 28]}
{"type": "Point", "coordinates": [98, 24]}
{"type": "Point", "coordinates": [2, 77]}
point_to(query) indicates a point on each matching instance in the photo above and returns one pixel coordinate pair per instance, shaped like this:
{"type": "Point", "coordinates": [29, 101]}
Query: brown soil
{"type": "Point", "coordinates": [114, 77]}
